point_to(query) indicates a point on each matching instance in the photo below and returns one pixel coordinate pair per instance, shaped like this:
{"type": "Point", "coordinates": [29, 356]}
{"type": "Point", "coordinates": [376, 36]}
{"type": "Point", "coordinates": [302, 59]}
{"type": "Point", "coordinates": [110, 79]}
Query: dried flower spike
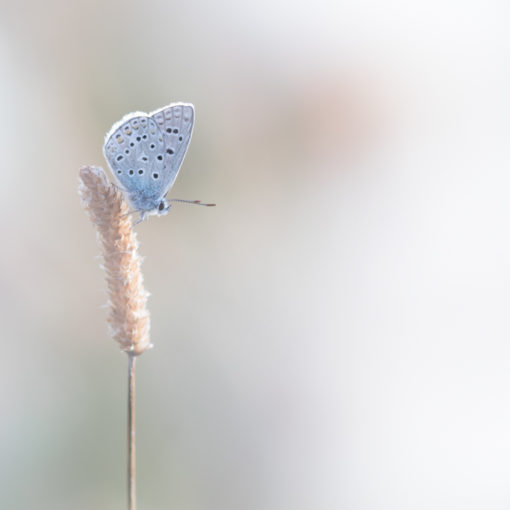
{"type": "Point", "coordinates": [128, 316]}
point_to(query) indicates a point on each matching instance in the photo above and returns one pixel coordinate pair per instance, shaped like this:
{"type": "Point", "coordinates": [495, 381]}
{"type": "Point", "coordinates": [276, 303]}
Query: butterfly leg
{"type": "Point", "coordinates": [129, 213]}
{"type": "Point", "coordinates": [141, 218]}
{"type": "Point", "coordinates": [120, 188]}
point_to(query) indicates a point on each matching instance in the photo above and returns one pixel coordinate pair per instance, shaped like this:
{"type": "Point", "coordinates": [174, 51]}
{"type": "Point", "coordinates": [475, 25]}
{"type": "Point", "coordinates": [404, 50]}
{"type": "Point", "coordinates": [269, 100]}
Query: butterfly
{"type": "Point", "coordinates": [145, 153]}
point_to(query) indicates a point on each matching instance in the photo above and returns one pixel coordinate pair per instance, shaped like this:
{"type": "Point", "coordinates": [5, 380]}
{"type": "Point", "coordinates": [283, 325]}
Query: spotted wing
{"type": "Point", "coordinates": [175, 122]}
{"type": "Point", "coordinates": [135, 151]}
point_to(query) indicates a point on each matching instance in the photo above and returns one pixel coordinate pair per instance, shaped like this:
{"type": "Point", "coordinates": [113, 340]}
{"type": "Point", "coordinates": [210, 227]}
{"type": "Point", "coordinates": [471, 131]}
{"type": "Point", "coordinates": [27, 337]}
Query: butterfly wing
{"type": "Point", "coordinates": [175, 122]}
{"type": "Point", "coordinates": [135, 151]}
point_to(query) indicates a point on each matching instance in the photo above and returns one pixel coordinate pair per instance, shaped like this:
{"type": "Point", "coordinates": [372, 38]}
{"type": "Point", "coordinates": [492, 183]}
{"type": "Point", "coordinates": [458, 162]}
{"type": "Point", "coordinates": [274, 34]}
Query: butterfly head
{"type": "Point", "coordinates": [163, 207]}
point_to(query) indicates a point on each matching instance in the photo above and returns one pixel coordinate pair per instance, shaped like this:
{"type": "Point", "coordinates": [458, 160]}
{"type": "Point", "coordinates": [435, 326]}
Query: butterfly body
{"type": "Point", "coordinates": [145, 153]}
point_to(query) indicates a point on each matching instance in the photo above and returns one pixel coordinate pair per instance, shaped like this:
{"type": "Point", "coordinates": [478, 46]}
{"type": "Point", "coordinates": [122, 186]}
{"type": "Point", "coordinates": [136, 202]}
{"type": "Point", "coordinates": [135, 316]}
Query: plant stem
{"type": "Point", "coordinates": [131, 471]}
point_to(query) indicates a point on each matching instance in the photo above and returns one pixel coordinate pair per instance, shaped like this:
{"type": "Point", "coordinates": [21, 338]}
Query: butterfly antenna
{"type": "Point", "coordinates": [196, 202]}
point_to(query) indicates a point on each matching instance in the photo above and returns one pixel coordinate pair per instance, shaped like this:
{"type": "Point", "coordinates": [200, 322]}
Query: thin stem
{"type": "Point", "coordinates": [131, 471]}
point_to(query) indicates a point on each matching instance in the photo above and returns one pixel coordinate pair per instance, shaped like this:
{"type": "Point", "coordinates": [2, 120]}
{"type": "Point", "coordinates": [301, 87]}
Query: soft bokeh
{"type": "Point", "coordinates": [335, 333]}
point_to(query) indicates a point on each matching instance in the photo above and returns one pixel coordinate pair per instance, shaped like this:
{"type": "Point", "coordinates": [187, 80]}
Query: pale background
{"type": "Point", "coordinates": [335, 333]}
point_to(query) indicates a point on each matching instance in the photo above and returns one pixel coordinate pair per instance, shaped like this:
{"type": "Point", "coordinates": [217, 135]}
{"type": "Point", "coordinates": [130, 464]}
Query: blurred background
{"type": "Point", "coordinates": [335, 333]}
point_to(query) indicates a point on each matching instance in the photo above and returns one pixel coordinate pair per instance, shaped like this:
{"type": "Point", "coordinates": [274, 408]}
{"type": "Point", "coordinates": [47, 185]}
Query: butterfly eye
{"type": "Point", "coordinates": [161, 206]}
